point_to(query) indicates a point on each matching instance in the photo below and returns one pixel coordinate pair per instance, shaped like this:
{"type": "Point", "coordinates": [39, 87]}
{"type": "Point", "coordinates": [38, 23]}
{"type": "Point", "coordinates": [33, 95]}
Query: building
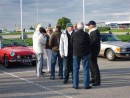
{"type": "Point", "coordinates": [118, 24]}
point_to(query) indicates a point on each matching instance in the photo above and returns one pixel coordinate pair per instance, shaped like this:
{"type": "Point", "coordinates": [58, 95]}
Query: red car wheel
{"type": "Point", "coordinates": [6, 62]}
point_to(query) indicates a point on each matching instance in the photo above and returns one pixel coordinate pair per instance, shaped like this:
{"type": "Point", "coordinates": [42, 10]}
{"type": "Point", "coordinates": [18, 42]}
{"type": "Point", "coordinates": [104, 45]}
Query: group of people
{"type": "Point", "coordinates": [70, 47]}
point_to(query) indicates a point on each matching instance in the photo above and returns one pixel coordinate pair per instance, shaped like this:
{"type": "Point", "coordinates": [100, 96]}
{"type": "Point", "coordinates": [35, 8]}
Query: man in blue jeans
{"type": "Point", "coordinates": [81, 46]}
{"type": "Point", "coordinates": [54, 43]}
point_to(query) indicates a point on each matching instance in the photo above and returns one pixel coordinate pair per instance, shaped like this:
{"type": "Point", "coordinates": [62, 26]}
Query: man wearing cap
{"type": "Point", "coordinates": [94, 35]}
{"type": "Point", "coordinates": [66, 50]}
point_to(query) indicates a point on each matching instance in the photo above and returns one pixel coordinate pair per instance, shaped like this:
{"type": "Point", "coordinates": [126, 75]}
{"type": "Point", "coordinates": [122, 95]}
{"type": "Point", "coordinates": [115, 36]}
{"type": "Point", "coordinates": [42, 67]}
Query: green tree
{"type": "Point", "coordinates": [63, 21]}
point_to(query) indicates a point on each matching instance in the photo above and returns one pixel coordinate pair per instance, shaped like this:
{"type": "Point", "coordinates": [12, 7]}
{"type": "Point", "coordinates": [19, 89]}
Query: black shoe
{"type": "Point", "coordinates": [43, 72]}
{"type": "Point", "coordinates": [65, 81]}
{"type": "Point", "coordinates": [95, 84]}
{"type": "Point", "coordinates": [89, 87]}
{"type": "Point", "coordinates": [52, 77]}
{"type": "Point", "coordinates": [75, 87]}
{"type": "Point", "coordinates": [92, 81]}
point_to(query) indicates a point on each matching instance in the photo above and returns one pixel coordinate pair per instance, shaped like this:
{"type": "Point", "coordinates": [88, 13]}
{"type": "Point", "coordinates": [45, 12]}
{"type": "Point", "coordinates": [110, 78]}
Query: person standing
{"type": "Point", "coordinates": [66, 51]}
{"type": "Point", "coordinates": [94, 35]}
{"type": "Point", "coordinates": [54, 43]}
{"type": "Point", "coordinates": [81, 50]}
{"type": "Point", "coordinates": [48, 49]}
{"type": "Point", "coordinates": [39, 41]}
{"type": "Point", "coordinates": [75, 27]}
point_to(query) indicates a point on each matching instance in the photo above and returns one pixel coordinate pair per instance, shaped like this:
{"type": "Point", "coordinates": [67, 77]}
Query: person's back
{"type": "Point", "coordinates": [35, 36]}
{"type": "Point", "coordinates": [39, 41]}
{"type": "Point", "coordinates": [80, 43]}
{"type": "Point", "coordinates": [81, 52]}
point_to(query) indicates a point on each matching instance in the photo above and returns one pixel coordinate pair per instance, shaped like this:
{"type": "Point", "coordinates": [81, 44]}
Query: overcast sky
{"type": "Point", "coordinates": [49, 11]}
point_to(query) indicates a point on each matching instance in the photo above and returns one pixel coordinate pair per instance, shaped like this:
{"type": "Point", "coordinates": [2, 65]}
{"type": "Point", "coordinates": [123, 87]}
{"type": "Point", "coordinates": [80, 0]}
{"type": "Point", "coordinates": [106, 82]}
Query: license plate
{"type": "Point", "coordinates": [26, 61]}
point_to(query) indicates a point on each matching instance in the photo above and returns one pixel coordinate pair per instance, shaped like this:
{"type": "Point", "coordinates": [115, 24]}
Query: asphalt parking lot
{"type": "Point", "coordinates": [20, 81]}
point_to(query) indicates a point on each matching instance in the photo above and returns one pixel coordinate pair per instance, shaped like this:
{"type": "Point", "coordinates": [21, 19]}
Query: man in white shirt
{"type": "Point", "coordinates": [39, 41]}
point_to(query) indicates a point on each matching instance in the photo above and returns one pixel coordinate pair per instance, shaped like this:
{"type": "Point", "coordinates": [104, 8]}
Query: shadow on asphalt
{"type": "Point", "coordinates": [112, 78]}
{"type": "Point", "coordinates": [118, 59]}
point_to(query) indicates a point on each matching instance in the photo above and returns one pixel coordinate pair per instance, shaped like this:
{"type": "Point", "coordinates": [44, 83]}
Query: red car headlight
{"type": "Point", "coordinates": [12, 53]}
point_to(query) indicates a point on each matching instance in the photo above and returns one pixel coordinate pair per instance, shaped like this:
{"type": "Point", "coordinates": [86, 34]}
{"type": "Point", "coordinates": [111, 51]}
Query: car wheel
{"type": "Point", "coordinates": [110, 55]}
{"type": "Point", "coordinates": [6, 62]}
{"type": "Point", "coordinates": [34, 63]}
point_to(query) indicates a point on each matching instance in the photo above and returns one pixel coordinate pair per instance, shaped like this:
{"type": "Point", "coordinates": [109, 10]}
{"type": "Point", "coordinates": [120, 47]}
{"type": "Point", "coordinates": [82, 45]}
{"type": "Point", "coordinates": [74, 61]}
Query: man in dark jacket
{"type": "Point", "coordinates": [54, 43]}
{"type": "Point", "coordinates": [94, 35]}
{"type": "Point", "coordinates": [81, 46]}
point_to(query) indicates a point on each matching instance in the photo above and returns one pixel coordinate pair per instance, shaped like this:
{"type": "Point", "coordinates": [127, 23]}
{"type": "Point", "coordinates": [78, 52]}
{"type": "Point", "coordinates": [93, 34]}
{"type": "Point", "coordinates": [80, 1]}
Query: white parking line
{"type": "Point", "coordinates": [17, 72]}
{"type": "Point", "coordinates": [38, 85]}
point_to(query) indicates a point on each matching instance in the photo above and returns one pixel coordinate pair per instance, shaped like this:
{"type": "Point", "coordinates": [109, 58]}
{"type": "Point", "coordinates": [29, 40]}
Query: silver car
{"type": "Point", "coordinates": [112, 47]}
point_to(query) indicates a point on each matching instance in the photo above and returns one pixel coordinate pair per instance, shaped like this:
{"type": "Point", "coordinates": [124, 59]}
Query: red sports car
{"type": "Point", "coordinates": [16, 51]}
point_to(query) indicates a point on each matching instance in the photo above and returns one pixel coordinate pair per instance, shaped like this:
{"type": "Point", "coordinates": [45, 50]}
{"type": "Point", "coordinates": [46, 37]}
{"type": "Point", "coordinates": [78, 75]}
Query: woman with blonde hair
{"type": "Point", "coordinates": [48, 49]}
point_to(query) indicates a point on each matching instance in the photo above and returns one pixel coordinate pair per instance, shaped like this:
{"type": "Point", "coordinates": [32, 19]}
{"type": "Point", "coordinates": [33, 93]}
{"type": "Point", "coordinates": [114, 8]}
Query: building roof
{"type": "Point", "coordinates": [118, 22]}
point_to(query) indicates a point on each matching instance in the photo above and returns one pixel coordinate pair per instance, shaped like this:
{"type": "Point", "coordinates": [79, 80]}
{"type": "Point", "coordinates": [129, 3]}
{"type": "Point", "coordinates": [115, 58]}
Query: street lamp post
{"type": "Point", "coordinates": [84, 14]}
{"type": "Point", "coordinates": [21, 9]}
{"type": "Point", "coordinates": [37, 11]}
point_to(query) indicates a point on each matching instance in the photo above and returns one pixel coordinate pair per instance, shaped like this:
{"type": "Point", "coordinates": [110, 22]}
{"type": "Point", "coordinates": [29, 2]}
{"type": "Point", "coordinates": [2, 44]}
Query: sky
{"type": "Point", "coordinates": [49, 11]}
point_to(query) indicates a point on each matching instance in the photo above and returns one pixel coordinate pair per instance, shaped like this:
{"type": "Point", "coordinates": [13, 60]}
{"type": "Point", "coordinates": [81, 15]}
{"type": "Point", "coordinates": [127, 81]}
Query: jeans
{"type": "Point", "coordinates": [76, 66]}
{"type": "Point", "coordinates": [54, 57]}
{"type": "Point", "coordinates": [39, 63]}
{"type": "Point", "coordinates": [48, 54]}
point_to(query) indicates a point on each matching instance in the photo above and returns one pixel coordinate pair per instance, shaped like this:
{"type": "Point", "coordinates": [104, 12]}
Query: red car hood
{"type": "Point", "coordinates": [20, 50]}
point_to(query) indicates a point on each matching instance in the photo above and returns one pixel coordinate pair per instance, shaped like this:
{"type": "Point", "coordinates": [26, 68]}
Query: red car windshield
{"type": "Point", "coordinates": [10, 43]}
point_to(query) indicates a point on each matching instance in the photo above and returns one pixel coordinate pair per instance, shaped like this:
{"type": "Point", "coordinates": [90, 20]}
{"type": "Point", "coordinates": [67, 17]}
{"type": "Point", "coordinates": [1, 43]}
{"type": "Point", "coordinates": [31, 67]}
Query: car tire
{"type": "Point", "coordinates": [6, 62]}
{"type": "Point", "coordinates": [110, 55]}
{"type": "Point", "coordinates": [34, 63]}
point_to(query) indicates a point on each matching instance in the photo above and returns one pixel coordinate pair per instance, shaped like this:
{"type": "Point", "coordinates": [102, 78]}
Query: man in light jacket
{"type": "Point", "coordinates": [66, 50]}
{"type": "Point", "coordinates": [39, 41]}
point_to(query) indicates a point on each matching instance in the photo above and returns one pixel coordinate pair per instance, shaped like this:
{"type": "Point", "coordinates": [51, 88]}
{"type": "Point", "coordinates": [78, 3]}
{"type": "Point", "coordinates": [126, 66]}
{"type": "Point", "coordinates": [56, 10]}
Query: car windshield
{"type": "Point", "coordinates": [16, 42]}
{"type": "Point", "coordinates": [109, 37]}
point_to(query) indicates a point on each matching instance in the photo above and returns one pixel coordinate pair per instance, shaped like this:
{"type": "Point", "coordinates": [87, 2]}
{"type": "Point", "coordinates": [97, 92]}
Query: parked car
{"type": "Point", "coordinates": [113, 48]}
{"type": "Point", "coordinates": [16, 51]}
{"type": "Point", "coordinates": [0, 31]}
